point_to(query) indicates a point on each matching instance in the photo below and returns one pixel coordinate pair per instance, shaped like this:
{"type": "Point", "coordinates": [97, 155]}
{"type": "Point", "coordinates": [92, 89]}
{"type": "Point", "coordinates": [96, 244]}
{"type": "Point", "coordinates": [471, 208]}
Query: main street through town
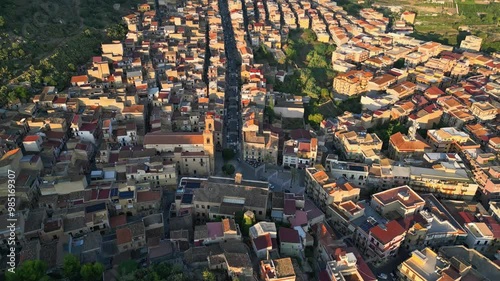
{"type": "Point", "coordinates": [232, 117]}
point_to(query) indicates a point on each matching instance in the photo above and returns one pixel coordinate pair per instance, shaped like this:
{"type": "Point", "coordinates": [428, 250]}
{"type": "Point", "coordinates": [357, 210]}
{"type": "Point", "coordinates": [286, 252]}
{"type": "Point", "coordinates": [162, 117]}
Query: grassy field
{"type": "Point", "coordinates": [41, 28]}
{"type": "Point", "coordinates": [441, 23]}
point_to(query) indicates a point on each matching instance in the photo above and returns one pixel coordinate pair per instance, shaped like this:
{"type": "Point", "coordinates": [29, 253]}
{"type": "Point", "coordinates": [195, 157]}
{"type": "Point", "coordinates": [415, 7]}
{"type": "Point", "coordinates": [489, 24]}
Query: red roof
{"type": "Point", "coordinates": [289, 207]}
{"type": "Point", "coordinates": [288, 235]}
{"type": "Point", "coordinates": [61, 100]}
{"type": "Point", "coordinates": [123, 235]}
{"type": "Point", "coordinates": [147, 196]}
{"type": "Point", "coordinates": [88, 127]}
{"type": "Point", "coordinates": [80, 79]}
{"type": "Point", "coordinates": [31, 138]}
{"type": "Point", "coordinates": [434, 91]}
{"type": "Point", "coordinates": [117, 221]}
{"type": "Point", "coordinates": [304, 147]}
{"type": "Point", "coordinates": [263, 242]}
{"type": "Point", "coordinates": [93, 195]}
{"type": "Point", "coordinates": [103, 194]}
{"type": "Point", "coordinates": [388, 233]}
{"type": "Point", "coordinates": [467, 217]}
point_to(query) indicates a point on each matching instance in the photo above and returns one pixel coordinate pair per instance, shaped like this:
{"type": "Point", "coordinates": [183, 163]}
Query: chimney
{"type": "Point", "coordinates": [237, 178]}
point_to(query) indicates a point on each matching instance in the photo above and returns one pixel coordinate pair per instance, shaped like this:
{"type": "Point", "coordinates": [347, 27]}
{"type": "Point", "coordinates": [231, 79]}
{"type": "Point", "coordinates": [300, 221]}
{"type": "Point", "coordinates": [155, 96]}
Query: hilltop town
{"type": "Point", "coordinates": [273, 140]}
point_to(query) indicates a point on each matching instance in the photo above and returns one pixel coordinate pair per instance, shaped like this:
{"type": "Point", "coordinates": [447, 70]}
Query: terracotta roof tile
{"type": "Point", "coordinates": [147, 196]}
{"type": "Point", "coordinates": [263, 242]}
{"type": "Point", "coordinates": [173, 138]}
{"type": "Point", "coordinates": [123, 235]}
{"type": "Point", "coordinates": [388, 233]}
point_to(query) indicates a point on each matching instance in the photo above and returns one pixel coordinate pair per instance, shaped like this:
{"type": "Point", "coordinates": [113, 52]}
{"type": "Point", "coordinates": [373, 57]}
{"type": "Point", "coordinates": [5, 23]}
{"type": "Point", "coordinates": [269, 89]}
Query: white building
{"type": "Point", "coordinates": [479, 236]}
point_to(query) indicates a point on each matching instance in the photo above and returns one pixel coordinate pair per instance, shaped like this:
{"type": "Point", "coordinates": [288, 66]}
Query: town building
{"type": "Point", "coordinates": [325, 190]}
{"type": "Point", "coordinates": [352, 83]}
{"type": "Point", "coordinates": [423, 265]}
{"type": "Point", "coordinates": [193, 152]}
{"type": "Point", "coordinates": [300, 151]}
{"type": "Point", "coordinates": [471, 43]}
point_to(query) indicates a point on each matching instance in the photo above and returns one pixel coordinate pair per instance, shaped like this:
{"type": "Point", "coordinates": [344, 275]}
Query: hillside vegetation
{"type": "Point", "coordinates": [43, 42]}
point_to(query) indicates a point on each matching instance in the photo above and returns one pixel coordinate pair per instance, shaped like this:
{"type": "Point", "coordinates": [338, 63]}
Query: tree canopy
{"type": "Point", "coordinates": [71, 268]}
{"type": "Point", "coordinates": [208, 275]}
{"type": "Point", "coordinates": [92, 272]}
{"type": "Point", "coordinates": [31, 270]}
{"type": "Point", "coordinates": [228, 169]}
{"type": "Point", "coordinates": [228, 154]}
{"type": "Point", "coordinates": [162, 271]}
{"type": "Point", "coordinates": [315, 119]}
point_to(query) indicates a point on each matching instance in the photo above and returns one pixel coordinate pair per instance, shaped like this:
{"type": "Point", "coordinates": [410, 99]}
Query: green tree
{"type": "Point", "coordinates": [117, 32]}
{"type": "Point", "coordinates": [2, 21]}
{"type": "Point", "coordinates": [71, 268]}
{"type": "Point", "coordinates": [228, 154]}
{"type": "Point", "coordinates": [310, 36]}
{"type": "Point", "coordinates": [208, 275]}
{"type": "Point", "coordinates": [127, 267]}
{"type": "Point", "coordinates": [31, 270]}
{"type": "Point", "coordinates": [228, 169]}
{"type": "Point", "coordinates": [315, 119]}
{"type": "Point", "coordinates": [325, 94]}
{"type": "Point", "coordinates": [92, 271]}
{"type": "Point", "coordinates": [400, 63]}
{"type": "Point", "coordinates": [290, 52]}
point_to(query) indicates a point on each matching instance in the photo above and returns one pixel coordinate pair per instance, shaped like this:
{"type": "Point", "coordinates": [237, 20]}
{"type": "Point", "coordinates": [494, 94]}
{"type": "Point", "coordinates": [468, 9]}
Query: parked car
{"type": "Point", "coordinates": [382, 276]}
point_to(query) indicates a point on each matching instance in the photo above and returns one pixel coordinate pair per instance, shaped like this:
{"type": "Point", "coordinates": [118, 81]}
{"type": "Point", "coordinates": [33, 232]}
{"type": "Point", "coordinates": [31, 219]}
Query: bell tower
{"type": "Point", "coordinates": [208, 147]}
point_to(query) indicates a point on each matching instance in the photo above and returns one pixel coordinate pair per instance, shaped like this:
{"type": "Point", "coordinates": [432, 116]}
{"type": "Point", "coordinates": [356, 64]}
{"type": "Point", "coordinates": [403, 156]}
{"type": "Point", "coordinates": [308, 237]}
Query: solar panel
{"type": "Point", "coordinates": [95, 208]}
{"type": "Point", "coordinates": [126, 195]}
{"type": "Point", "coordinates": [356, 168]}
{"type": "Point", "coordinates": [187, 199]}
{"type": "Point", "coordinates": [193, 185]}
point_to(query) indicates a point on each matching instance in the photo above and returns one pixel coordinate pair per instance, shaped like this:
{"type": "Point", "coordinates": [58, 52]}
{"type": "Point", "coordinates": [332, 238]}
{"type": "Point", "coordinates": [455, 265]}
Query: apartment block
{"type": "Point", "coordinates": [352, 83]}
{"type": "Point", "coordinates": [358, 145]}
{"type": "Point", "coordinates": [300, 150]}
{"type": "Point", "coordinates": [397, 202]}
{"type": "Point", "coordinates": [449, 139]}
{"type": "Point", "coordinates": [423, 265]}
{"type": "Point", "coordinates": [325, 190]}
{"type": "Point", "coordinates": [471, 43]}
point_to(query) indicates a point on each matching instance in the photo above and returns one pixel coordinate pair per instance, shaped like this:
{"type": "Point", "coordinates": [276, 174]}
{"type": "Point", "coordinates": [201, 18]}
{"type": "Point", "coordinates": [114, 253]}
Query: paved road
{"type": "Point", "coordinates": [232, 91]}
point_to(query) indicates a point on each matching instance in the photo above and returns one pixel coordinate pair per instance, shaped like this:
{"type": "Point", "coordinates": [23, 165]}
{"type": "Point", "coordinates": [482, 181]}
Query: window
{"type": "Point", "coordinates": [203, 206]}
{"type": "Point", "coordinates": [194, 160]}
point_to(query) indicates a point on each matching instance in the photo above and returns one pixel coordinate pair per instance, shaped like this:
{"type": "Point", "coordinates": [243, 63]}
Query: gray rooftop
{"type": "Point", "coordinates": [459, 174]}
{"type": "Point", "coordinates": [481, 266]}
{"type": "Point", "coordinates": [216, 192]}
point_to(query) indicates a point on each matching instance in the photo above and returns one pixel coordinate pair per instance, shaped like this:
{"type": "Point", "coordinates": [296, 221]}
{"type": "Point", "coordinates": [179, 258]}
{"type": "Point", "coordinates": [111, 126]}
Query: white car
{"type": "Point", "coordinates": [382, 276]}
